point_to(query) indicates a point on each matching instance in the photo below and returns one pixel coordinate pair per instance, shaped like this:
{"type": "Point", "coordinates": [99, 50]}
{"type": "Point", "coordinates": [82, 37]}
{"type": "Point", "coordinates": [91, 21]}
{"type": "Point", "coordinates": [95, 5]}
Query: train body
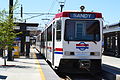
{"type": "Point", "coordinates": [72, 42]}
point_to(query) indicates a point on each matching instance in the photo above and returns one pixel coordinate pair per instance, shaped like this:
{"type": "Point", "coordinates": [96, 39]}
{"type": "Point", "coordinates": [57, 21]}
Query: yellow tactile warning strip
{"type": "Point", "coordinates": [40, 69]}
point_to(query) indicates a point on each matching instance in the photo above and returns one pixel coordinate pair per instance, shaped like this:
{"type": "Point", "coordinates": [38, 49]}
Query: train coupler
{"type": "Point", "coordinates": [84, 64]}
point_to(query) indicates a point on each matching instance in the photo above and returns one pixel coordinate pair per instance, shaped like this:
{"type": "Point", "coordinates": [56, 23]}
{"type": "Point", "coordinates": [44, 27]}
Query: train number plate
{"type": "Point", "coordinates": [82, 54]}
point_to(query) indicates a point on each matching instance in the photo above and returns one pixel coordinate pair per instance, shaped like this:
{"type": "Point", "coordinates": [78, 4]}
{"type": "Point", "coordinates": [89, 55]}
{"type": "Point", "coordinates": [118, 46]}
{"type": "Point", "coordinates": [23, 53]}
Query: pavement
{"type": "Point", "coordinates": [26, 68]}
{"type": "Point", "coordinates": [20, 69]}
{"type": "Point", "coordinates": [111, 67]}
{"type": "Point", "coordinates": [112, 61]}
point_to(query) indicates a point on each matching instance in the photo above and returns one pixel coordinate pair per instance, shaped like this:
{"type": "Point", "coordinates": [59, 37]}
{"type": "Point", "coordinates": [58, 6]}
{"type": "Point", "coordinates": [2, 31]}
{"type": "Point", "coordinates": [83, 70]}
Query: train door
{"type": "Point", "coordinates": [46, 44]}
{"type": "Point", "coordinates": [53, 45]}
{"type": "Point", "coordinates": [43, 43]}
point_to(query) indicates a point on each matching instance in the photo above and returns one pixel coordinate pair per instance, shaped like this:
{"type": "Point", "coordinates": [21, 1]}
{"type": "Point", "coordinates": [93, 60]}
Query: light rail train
{"type": "Point", "coordinates": [72, 42]}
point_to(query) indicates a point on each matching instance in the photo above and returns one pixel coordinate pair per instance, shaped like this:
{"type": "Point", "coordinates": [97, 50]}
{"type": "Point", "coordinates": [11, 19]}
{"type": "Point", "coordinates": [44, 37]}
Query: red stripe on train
{"type": "Point", "coordinates": [58, 49]}
{"type": "Point", "coordinates": [82, 44]}
{"type": "Point", "coordinates": [49, 47]}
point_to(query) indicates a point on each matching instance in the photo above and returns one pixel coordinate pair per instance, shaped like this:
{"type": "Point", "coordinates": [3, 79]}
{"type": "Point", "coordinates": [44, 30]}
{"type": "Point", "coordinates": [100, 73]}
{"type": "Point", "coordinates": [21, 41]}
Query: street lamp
{"type": "Point", "coordinates": [61, 5]}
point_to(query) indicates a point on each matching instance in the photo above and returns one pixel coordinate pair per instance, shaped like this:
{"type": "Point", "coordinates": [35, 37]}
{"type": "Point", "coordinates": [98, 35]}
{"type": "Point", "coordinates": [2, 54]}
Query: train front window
{"type": "Point", "coordinates": [82, 30]}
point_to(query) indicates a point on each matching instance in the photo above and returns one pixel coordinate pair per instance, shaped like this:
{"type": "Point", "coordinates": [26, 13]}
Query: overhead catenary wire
{"type": "Point", "coordinates": [65, 2]}
{"type": "Point", "coordinates": [40, 14]}
{"type": "Point", "coordinates": [57, 1]}
{"type": "Point", "coordinates": [36, 15]}
{"type": "Point", "coordinates": [52, 5]}
{"type": "Point", "coordinates": [50, 9]}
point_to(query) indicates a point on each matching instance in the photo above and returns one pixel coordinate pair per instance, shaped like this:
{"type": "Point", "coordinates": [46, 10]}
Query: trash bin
{"type": "Point", "coordinates": [15, 52]}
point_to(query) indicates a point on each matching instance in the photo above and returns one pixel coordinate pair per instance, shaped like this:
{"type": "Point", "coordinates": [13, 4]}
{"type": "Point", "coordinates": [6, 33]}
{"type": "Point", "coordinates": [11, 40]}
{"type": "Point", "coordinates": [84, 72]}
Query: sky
{"type": "Point", "coordinates": [108, 8]}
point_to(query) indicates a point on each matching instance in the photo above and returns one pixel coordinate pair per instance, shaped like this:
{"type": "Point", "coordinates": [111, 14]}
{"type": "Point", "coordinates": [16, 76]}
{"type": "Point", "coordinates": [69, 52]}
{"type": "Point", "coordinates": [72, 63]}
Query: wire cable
{"type": "Point", "coordinates": [57, 1]}
{"type": "Point", "coordinates": [52, 5]}
{"type": "Point", "coordinates": [65, 1]}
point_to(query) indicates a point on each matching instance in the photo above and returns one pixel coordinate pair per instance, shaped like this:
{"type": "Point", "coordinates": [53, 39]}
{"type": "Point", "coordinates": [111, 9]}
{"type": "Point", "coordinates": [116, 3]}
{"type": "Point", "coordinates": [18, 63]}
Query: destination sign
{"type": "Point", "coordinates": [82, 16]}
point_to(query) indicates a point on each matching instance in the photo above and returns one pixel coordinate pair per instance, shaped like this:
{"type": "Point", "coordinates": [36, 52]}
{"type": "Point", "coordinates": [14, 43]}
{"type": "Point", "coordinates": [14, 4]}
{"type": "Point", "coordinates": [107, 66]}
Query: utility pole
{"type": "Point", "coordinates": [119, 23]}
{"type": "Point", "coordinates": [61, 5]}
{"type": "Point", "coordinates": [10, 57]}
{"type": "Point", "coordinates": [21, 12]}
{"type": "Point", "coordinates": [11, 8]}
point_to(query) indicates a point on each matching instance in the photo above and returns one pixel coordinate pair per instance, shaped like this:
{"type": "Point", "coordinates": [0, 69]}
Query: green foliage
{"type": "Point", "coordinates": [7, 33]}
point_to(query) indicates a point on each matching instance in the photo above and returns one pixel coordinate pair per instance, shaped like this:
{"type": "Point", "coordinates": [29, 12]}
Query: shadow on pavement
{"type": "Point", "coordinates": [40, 56]}
{"type": "Point", "coordinates": [15, 66]}
{"type": "Point", "coordinates": [28, 62]}
{"type": "Point", "coordinates": [3, 77]}
{"type": "Point", "coordinates": [111, 68]}
{"type": "Point", "coordinates": [110, 72]}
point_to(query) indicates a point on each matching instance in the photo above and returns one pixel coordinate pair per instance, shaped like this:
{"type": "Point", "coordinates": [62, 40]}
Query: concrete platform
{"type": "Point", "coordinates": [111, 67]}
{"type": "Point", "coordinates": [27, 69]}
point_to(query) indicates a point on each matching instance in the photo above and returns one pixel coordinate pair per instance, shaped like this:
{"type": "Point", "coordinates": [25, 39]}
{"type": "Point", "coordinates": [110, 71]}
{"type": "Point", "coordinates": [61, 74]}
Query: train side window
{"type": "Point", "coordinates": [42, 40]}
{"type": "Point", "coordinates": [58, 30]}
{"type": "Point", "coordinates": [49, 33]}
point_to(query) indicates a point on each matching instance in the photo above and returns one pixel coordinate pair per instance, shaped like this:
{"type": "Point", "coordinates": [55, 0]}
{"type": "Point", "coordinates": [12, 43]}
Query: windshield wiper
{"type": "Point", "coordinates": [94, 38]}
{"type": "Point", "coordinates": [94, 42]}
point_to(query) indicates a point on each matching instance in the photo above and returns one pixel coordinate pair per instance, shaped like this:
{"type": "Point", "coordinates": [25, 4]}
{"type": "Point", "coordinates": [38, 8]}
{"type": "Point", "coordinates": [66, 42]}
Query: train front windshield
{"type": "Point", "coordinates": [82, 30]}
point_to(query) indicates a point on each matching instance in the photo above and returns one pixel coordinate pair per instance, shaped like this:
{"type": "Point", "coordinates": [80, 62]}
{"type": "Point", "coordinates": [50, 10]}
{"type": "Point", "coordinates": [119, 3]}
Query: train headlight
{"type": "Point", "coordinates": [67, 53]}
{"type": "Point", "coordinates": [95, 53]}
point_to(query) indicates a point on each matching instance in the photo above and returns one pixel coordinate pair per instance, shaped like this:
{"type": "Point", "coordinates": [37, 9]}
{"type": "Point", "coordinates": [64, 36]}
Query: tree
{"type": "Point", "coordinates": [7, 32]}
